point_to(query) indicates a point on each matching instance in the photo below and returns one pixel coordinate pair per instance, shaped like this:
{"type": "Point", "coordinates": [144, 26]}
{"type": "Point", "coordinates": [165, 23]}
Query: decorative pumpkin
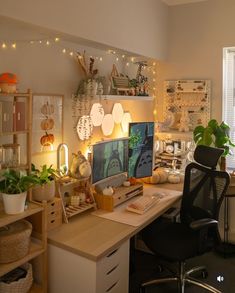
{"type": "Point", "coordinates": [162, 173]}
{"type": "Point", "coordinates": [108, 190]}
{"type": "Point", "coordinates": [159, 176]}
{"type": "Point", "coordinates": [8, 83]}
{"type": "Point", "coordinates": [47, 124]}
{"type": "Point", "coordinates": [132, 180]}
{"type": "Point", "coordinates": [47, 139]}
{"type": "Point", "coordinates": [174, 178]}
{"type": "Point", "coordinates": [8, 78]}
{"type": "Point", "coordinates": [47, 109]}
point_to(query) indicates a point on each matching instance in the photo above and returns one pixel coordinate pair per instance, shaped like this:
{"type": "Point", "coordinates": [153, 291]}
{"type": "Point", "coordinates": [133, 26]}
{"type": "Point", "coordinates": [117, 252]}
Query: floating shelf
{"type": "Point", "coordinates": [129, 98]}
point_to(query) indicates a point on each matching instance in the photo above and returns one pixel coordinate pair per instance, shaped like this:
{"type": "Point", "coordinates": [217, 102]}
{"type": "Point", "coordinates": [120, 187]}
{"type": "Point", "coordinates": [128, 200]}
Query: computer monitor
{"type": "Point", "coordinates": [109, 158]}
{"type": "Point", "coordinates": [140, 153]}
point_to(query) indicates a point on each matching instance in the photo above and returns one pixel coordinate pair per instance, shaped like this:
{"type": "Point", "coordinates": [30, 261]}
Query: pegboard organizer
{"type": "Point", "coordinates": [191, 96]}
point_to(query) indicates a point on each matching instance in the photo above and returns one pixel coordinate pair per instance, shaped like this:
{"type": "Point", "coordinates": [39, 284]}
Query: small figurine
{"type": "Point", "coordinates": [80, 167]}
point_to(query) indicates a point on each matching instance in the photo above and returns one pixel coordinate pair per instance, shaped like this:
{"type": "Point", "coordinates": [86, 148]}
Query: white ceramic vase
{"type": "Point", "coordinates": [14, 203]}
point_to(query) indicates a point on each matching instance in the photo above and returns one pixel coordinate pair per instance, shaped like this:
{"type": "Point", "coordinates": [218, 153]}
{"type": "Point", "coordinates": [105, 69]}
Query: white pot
{"type": "Point", "coordinates": [14, 203]}
{"type": "Point", "coordinates": [44, 192]}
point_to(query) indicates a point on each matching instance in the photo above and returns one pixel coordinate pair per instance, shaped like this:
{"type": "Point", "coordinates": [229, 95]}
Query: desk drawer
{"type": "Point", "coordinates": [112, 270]}
{"type": "Point", "coordinates": [54, 205]}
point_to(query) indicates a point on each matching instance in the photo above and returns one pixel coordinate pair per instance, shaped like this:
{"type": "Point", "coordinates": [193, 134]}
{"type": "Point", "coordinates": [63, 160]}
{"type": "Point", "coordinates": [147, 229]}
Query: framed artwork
{"type": "Point", "coordinates": [47, 125]}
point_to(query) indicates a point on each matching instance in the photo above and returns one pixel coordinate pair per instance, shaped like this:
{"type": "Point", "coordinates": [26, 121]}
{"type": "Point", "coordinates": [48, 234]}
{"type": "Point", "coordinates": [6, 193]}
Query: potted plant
{"type": "Point", "coordinates": [217, 135]}
{"type": "Point", "coordinates": [45, 187]}
{"type": "Point", "coordinates": [14, 186]}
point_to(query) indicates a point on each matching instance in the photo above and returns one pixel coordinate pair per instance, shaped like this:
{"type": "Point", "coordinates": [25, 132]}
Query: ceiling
{"type": "Point", "coordinates": [179, 2]}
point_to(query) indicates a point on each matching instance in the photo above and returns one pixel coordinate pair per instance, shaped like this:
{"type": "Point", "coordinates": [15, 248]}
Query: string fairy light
{"type": "Point", "coordinates": [129, 61]}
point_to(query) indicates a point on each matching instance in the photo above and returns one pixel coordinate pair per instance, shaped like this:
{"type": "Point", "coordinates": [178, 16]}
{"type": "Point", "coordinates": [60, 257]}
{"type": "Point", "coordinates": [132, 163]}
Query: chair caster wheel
{"type": "Point", "coordinates": [160, 268]}
{"type": "Point", "coordinates": [204, 274]}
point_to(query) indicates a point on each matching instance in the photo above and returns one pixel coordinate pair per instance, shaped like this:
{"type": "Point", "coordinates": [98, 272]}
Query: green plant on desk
{"type": "Point", "coordinates": [216, 135]}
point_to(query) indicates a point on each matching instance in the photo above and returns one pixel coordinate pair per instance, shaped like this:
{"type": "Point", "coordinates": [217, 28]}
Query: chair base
{"type": "Point", "coordinates": [183, 278]}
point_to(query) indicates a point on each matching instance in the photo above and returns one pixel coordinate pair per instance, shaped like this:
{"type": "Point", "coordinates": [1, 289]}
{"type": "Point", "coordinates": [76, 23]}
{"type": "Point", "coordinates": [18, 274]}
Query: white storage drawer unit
{"type": "Point", "coordinates": [70, 273]}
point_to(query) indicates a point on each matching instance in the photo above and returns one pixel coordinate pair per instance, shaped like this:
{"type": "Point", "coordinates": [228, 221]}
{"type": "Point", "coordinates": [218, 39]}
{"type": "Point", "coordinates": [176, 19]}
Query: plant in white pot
{"type": "Point", "coordinates": [14, 185]}
{"type": "Point", "coordinates": [45, 188]}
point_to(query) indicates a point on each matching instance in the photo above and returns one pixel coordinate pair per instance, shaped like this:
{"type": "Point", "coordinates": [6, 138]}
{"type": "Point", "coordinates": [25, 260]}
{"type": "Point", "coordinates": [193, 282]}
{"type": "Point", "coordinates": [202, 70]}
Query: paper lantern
{"type": "Point", "coordinates": [84, 127]}
{"type": "Point", "coordinates": [107, 124]}
{"type": "Point", "coordinates": [126, 119]}
{"type": "Point", "coordinates": [117, 113]}
{"type": "Point", "coordinates": [97, 114]}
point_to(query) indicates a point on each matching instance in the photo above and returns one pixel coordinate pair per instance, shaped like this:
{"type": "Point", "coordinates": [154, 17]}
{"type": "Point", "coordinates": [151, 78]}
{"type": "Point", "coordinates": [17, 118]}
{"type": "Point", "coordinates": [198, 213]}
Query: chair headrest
{"type": "Point", "coordinates": [207, 156]}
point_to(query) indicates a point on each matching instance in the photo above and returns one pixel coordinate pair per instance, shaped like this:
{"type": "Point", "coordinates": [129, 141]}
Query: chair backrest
{"type": "Point", "coordinates": [204, 187]}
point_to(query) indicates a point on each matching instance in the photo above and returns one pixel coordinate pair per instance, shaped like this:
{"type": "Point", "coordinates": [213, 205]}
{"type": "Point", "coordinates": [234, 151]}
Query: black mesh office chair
{"type": "Point", "coordinates": [197, 232]}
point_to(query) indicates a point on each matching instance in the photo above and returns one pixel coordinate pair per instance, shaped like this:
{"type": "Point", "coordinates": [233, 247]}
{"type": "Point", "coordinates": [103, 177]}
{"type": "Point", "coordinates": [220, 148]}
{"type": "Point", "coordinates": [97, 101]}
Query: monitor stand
{"type": "Point", "coordinates": [114, 181]}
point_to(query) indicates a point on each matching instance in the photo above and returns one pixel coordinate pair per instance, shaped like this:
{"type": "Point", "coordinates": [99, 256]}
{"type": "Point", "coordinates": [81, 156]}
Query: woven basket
{"type": "Point", "coordinates": [22, 285]}
{"type": "Point", "coordinates": [14, 241]}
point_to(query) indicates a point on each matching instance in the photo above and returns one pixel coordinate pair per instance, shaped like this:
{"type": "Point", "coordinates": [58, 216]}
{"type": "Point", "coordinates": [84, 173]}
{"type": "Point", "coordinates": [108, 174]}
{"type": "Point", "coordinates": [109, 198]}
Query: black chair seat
{"type": "Point", "coordinates": [158, 237]}
{"type": "Point", "coordinates": [197, 232]}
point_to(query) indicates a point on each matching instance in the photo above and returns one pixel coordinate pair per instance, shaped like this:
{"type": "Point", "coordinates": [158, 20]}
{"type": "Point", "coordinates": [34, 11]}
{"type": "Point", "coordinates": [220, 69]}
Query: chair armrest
{"type": "Point", "coordinates": [203, 223]}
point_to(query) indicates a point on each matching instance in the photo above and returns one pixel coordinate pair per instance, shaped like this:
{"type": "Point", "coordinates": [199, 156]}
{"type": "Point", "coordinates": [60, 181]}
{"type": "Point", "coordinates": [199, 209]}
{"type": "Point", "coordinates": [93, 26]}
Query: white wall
{"type": "Point", "coordinates": [134, 25]}
{"type": "Point", "coordinates": [197, 34]}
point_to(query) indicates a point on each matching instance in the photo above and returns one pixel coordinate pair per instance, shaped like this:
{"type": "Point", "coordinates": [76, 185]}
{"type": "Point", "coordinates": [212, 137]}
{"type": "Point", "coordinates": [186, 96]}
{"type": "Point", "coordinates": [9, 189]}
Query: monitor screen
{"type": "Point", "coordinates": [109, 158]}
{"type": "Point", "coordinates": [140, 152]}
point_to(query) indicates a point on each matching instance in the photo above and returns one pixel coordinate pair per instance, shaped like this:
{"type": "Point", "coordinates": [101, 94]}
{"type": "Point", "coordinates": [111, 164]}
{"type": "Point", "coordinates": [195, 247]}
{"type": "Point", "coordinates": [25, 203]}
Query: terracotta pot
{"type": "Point", "coordinates": [14, 203]}
{"type": "Point", "coordinates": [44, 192]}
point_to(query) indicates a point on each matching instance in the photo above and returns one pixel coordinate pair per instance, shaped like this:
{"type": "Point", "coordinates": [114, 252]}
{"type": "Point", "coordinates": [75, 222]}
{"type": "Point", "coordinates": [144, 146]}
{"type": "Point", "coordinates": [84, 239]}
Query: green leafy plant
{"type": "Point", "coordinates": [134, 140]}
{"type": "Point", "coordinates": [14, 182]}
{"type": "Point", "coordinates": [214, 134]}
{"type": "Point", "coordinates": [45, 175]}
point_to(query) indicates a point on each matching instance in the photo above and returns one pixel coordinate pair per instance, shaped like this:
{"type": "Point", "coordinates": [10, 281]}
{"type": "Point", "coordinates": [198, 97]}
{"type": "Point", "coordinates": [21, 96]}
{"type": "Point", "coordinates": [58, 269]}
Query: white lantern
{"type": "Point", "coordinates": [84, 127]}
{"type": "Point", "coordinates": [97, 114]}
{"type": "Point", "coordinates": [126, 119]}
{"type": "Point", "coordinates": [107, 124]}
{"type": "Point", "coordinates": [117, 113]}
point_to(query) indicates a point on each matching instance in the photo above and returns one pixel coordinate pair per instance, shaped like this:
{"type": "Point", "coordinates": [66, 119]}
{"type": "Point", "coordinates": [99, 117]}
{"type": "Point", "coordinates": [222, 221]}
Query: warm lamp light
{"type": "Point", "coordinates": [107, 124]}
{"type": "Point", "coordinates": [97, 114]}
{"type": "Point", "coordinates": [84, 127]}
{"type": "Point", "coordinates": [117, 113]}
{"type": "Point", "coordinates": [125, 121]}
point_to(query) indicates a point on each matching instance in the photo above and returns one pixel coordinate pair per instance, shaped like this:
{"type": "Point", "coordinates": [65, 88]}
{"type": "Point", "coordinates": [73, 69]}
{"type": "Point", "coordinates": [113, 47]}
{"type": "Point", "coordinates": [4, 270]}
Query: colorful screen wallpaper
{"type": "Point", "coordinates": [109, 158]}
{"type": "Point", "coordinates": [140, 163]}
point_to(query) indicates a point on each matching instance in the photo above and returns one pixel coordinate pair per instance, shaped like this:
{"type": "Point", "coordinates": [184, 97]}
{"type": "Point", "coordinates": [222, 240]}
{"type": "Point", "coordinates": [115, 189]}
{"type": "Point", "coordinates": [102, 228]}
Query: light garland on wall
{"type": "Point", "coordinates": [119, 57]}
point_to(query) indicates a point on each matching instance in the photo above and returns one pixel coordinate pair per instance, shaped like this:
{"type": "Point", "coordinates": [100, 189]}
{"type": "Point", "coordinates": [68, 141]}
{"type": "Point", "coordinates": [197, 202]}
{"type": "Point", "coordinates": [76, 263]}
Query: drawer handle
{"type": "Point", "coordinates": [110, 288]}
{"type": "Point", "coordinates": [52, 221]}
{"type": "Point", "coordinates": [113, 269]}
{"type": "Point", "coordinates": [52, 213]}
{"type": "Point", "coordinates": [52, 204]}
{"type": "Point", "coordinates": [113, 252]}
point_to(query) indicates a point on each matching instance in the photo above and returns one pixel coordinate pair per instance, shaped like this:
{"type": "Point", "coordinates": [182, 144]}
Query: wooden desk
{"type": "Point", "coordinates": [87, 254]}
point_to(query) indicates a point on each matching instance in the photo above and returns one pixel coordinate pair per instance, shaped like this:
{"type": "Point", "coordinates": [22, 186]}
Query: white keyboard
{"type": "Point", "coordinates": [143, 204]}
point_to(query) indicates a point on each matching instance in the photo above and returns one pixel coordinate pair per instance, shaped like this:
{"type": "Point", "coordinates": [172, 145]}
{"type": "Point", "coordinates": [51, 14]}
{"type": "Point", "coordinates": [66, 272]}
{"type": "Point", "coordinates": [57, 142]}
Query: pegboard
{"type": "Point", "coordinates": [190, 96]}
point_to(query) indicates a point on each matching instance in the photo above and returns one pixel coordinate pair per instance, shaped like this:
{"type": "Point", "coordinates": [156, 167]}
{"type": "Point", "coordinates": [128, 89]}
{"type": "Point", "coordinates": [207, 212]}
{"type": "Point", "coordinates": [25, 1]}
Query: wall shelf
{"type": "Point", "coordinates": [129, 98]}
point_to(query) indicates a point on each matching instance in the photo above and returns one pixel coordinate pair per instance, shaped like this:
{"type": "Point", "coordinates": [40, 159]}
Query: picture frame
{"type": "Point", "coordinates": [47, 122]}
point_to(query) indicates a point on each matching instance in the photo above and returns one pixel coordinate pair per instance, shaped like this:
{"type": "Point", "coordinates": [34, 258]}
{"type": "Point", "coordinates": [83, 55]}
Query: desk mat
{"type": "Point", "coordinates": [121, 215]}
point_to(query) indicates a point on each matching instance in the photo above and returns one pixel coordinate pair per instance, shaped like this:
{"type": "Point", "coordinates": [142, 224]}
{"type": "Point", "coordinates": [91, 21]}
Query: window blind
{"type": "Point", "coordinates": [229, 97]}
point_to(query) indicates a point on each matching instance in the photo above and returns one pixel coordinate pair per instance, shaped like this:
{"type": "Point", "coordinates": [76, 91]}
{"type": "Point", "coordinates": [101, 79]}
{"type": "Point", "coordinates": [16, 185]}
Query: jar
{"type": "Point", "coordinates": [10, 155]}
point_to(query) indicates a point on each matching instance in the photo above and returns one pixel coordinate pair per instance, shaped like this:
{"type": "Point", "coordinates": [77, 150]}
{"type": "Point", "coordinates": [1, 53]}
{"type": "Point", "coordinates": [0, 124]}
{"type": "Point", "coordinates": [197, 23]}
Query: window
{"type": "Point", "coordinates": [229, 96]}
